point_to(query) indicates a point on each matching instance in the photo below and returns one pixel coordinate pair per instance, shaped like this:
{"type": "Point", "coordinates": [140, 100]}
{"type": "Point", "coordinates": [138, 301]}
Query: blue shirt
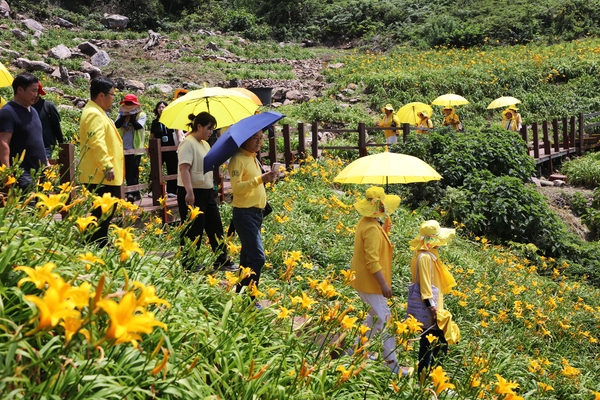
{"type": "Point", "coordinates": [26, 129]}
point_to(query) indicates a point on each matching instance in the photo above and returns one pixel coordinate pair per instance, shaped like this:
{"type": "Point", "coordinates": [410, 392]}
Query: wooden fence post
{"type": "Point", "coordinates": [547, 149]}
{"type": "Point", "coordinates": [572, 132]}
{"type": "Point", "coordinates": [66, 159]}
{"type": "Point", "coordinates": [272, 148]}
{"type": "Point", "coordinates": [362, 140]}
{"type": "Point", "coordinates": [555, 135]}
{"type": "Point", "coordinates": [405, 132]}
{"type": "Point", "coordinates": [536, 140]}
{"type": "Point", "coordinates": [315, 140]}
{"type": "Point", "coordinates": [524, 135]}
{"type": "Point", "coordinates": [287, 147]}
{"type": "Point", "coordinates": [155, 154]}
{"type": "Point", "coordinates": [301, 140]}
{"type": "Point", "coordinates": [580, 150]}
{"type": "Point", "coordinates": [565, 134]}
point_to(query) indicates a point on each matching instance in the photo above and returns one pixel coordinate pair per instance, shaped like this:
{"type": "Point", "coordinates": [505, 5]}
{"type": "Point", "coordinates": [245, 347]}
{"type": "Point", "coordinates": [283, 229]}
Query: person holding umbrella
{"type": "Point", "coordinates": [195, 188]}
{"type": "Point", "coordinates": [517, 117]}
{"type": "Point", "coordinates": [249, 200]}
{"type": "Point", "coordinates": [390, 120]}
{"type": "Point", "coordinates": [424, 122]}
{"type": "Point", "coordinates": [451, 119]}
{"type": "Point", "coordinates": [509, 122]}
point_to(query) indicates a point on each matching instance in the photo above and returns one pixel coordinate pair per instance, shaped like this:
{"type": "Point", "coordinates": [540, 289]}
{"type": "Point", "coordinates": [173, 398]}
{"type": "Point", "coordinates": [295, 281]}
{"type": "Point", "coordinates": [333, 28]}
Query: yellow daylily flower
{"type": "Point", "coordinates": [283, 313]}
{"type": "Point", "coordinates": [212, 280]}
{"type": "Point", "coordinates": [72, 325]}
{"type": "Point", "coordinates": [89, 258]}
{"type": "Point", "coordinates": [39, 276]}
{"type": "Point", "coordinates": [440, 380]}
{"type": "Point", "coordinates": [83, 222]}
{"type": "Point", "coordinates": [127, 320]}
{"type": "Point", "coordinates": [10, 180]}
{"type": "Point", "coordinates": [52, 308]}
{"type": "Point", "coordinates": [505, 387]}
{"type": "Point", "coordinates": [194, 212]}
{"type": "Point", "coordinates": [126, 244]}
{"type": "Point", "coordinates": [106, 202]}
{"type": "Point", "coordinates": [346, 373]}
{"type": "Point", "coordinates": [148, 295]}
{"type": "Point", "coordinates": [349, 322]}
{"type": "Point", "coordinates": [53, 202]}
{"type": "Point", "coordinates": [307, 301]}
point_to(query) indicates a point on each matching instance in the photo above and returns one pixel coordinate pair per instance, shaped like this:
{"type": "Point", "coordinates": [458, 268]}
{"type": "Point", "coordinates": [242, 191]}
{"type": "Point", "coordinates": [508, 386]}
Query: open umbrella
{"type": "Point", "coordinates": [227, 106]}
{"type": "Point", "coordinates": [386, 168]}
{"type": "Point", "coordinates": [248, 93]}
{"type": "Point", "coordinates": [230, 141]}
{"type": "Point", "coordinates": [408, 112]}
{"type": "Point", "coordinates": [504, 101]}
{"type": "Point", "coordinates": [6, 78]}
{"type": "Point", "coordinates": [450, 100]}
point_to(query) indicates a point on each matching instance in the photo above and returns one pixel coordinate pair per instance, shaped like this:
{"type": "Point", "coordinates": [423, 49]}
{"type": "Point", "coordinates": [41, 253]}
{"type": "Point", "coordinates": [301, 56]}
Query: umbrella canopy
{"type": "Point", "coordinates": [504, 101]}
{"type": "Point", "coordinates": [248, 93]}
{"type": "Point", "coordinates": [385, 168]}
{"type": "Point", "coordinates": [408, 112]}
{"type": "Point", "coordinates": [450, 100]}
{"type": "Point", "coordinates": [6, 78]}
{"type": "Point", "coordinates": [229, 142]}
{"type": "Point", "coordinates": [227, 106]}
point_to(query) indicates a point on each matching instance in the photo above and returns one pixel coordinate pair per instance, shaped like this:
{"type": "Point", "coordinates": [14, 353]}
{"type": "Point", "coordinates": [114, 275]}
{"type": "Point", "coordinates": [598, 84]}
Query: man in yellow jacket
{"type": "Point", "coordinates": [390, 120]}
{"type": "Point", "coordinates": [372, 264]}
{"type": "Point", "coordinates": [101, 165]}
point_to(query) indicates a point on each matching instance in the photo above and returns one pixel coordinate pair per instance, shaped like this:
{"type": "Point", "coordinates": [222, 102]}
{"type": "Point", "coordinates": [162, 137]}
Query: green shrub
{"type": "Point", "coordinates": [583, 171]}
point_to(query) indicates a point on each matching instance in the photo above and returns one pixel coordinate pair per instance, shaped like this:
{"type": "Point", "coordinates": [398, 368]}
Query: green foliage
{"type": "Point", "coordinates": [583, 171]}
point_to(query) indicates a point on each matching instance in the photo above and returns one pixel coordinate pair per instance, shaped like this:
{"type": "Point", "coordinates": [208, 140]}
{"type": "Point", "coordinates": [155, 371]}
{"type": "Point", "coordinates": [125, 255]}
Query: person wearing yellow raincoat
{"type": "Point", "coordinates": [428, 270]}
{"type": "Point", "coordinates": [451, 119]}
{"type": "Point", "coordinates": [509, 122]}
{"type": "Point", "coordinates": [425, 122]}
{"type": "Point", "coordinates": [390, 120]}
{"type": "Point", "coordinates": [515, 112]}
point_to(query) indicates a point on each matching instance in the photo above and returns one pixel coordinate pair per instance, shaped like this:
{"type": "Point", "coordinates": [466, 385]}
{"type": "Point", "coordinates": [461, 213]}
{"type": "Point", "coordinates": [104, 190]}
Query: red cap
{"type": "Point", "coordinates": [40, 89]}
{"type": "Point", "coordinates": [130, 98]}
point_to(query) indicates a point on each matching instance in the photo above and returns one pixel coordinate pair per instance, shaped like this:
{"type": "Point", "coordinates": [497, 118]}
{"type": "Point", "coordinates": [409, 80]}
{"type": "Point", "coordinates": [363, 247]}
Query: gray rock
{"type": "Point", "coordinates": [60, 52]}
{"type": "Point", "coordinates": [19, 34]}
{"type": "Point", "coordinates": [34, 65]}
{"type": "Point", "coordinates": [33, 42]}
{"type": "Point", "coordinates": [4, 9]}
{"type": "Point", "coordinates": [135, 85]}
{"type": "Point", "coordinates": [65, 107]}
{"type": "Point", "coordinates": [335, 66]}
{"type": "Point", "coordinates": [191, 86]}
{"type": "Point", "coordinates": [100, 59]}
{"type": "Point", "coordinates": [115, 21]}
{"type": "Point", "coordinates": [352, 86]}
{"type": "Point", "coordinates": [63, 22]}
{"type": "Point", "coordinates": [88, 68]}
{"type": "Point", "coordinates": [161, 87]}
{"type": "Point", "coordinates": [294, 95]}
{"type": "Point", "coordinates": [32, 25]}
{"type": "Point", "coordinates": [11, 53]}
{"type": "Point", "coordinates": [559, 183]}
{"type": "Point", "coordinates": [88, 48]}
{"type": "Point", "coordinates": [55, 74]}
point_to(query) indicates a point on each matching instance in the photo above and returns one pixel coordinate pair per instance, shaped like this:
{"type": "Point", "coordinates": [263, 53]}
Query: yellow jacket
{"type": "Point", "coordinates": [101, 147]}
{"type": "Point", "coordinates": [246, 181]}
{"type": "Point", "coordinates": [428, 275]}
{"type": "Point", "coordinates": [372, 253]}
{"type": "Point", "coordinates": [387, 121]}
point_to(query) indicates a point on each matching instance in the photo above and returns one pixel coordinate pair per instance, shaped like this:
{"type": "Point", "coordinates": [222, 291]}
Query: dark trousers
{"type": "Point", "coordinates": [101, 235]}
{"type": "Point", "coordinates": [132, 171]}
{"type": "Point", "coordinates": [209, 221]}
{"type": "Point", "coordinates": [170, 160]}
{"type": "Point", "coordinates": [247, 223]}
{"type": "Point", "coordinates": [431, 353]}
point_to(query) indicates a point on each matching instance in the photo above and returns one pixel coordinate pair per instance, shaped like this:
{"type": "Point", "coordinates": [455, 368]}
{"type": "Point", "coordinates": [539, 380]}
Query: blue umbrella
{"type": "Point", "coordinates": [229, 142]}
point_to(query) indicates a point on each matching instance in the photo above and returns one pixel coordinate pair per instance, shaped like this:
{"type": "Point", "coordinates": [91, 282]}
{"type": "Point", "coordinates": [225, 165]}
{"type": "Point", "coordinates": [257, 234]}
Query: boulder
{"type": "Point", "coordinates": [115, 21]}
{"type": "Point", "coordinates": [32, 25]}
{"type": "Point", "coordinates": [135, 85]}
{"type": "Point", "coordinates": [60, 52]}
{"type": "Point", "coordinates": [37, 34]}
{"type": "Point", "coordinates": [88, 48]}
{"type": "Point", "coordinates": [34, 65]}
{"type": "Point", "coordinates": [294, 95]}
{"type": "Point", "coordinates": [335, 66]}
{"type": "Point", "coordinates": [88, 68]}
{"type": "Point", "coordinates": [4, 9]}
{"type": "Point", "coordinates": [65, 107]}
{"type": "Point", "coordinates": [63, 22]}
{"type": "Point", "coordinates": [100, 59]}
{"type": "Point", "coordinates": [161, 87]}
{"type": "Point", "coordinates": [19, 34]}
{"type": "Point", "coordinates": [11, 53]}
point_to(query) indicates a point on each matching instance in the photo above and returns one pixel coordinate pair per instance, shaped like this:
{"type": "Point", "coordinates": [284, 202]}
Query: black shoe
{"type": "Point", "coordinates": [197, 268]}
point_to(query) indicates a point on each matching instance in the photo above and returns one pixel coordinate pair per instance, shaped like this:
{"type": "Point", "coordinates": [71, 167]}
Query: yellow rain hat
{"type": "Point", "coordinates": [432, 235]}
{"type": "Point", "coordinates": [513, 107]}
{"type": "Point", "coordinates": [377, 204]}
{"type": "Point", "coordinates": [388, 106]}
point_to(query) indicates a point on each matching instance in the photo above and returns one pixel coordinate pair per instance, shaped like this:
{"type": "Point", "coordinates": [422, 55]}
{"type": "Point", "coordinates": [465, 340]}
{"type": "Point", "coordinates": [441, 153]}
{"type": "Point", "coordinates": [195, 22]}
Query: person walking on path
{"type": "Point", "coordinates": [249, 201]}
{"type": "Point", "coordinates": [130, 123]}
{"type": "Point", "coordinates": [451, 119]}
{"type": "Point", "coordinates": [390, 120]}
{"type": "Point", "coordinates": [196, 189]}
{"type": "Point", "coordinates": [428, 271]}
{"type": "Point", "coordinates": [101, 165]}
{"type": "Point", "coordinates": [52, 132]}
{"type": "Point", "coordinates": [372, 264]}
{"type": "Point", "coordinates": [424, 122]}
{"type": "Point", "coordinates": [21, 130]}
{"type": "Point", "coordinates": [167, 137]}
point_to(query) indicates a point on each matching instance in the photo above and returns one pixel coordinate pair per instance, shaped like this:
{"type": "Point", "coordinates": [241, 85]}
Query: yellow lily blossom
{"type": "Point", "coordinates": [47, 186]}
{"type": "Point", "coordinates": [106, 202]}
{"type": "Point", "coordinates": [348, 275]}
{"type": "Point", "coordinates": [148, 295]}
{"type": "Point", "coordinates": [72, 325]}
{"type": "Point", "coordinates": [254, 292]}
{"type": "Point", "coordinates": [38, 276]}
{"type": "Point", "coordinates": [440, 380]}
{"type": "Point", "coordinates": [10, 180]}
{"type": "Point", "coordinates": [505, 387]}
{"type": "Point", "coordinates": [212, 281]}
{"type": "Point", "coordinates": [346, 373]}
{"type": "Point", "coordinates": [126, 244]}
{"type": "Point", "coordinates": [83, 222]}
{"type": "Point", "coordinates": [306, 301]}
{"type": "Point", "coordinates": [283, 313]}
{"type": "Point", "coordinates": [431, 338]}
{"type": "Point", "coordinates": [194, 212]}
{"type": "Point", "coordinates": [127, 320]}
{"type": "Point", "coordinates": [52, 308]}
{"type": "Point", "coordinates": [349, 322]}
{"type": "Point", "coordinates": [53, 202]}
{"type": "Point", "coordinates": [89, 258]}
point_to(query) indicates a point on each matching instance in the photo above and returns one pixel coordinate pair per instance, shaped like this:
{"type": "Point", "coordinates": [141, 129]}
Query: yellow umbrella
{"type": "Point", "coordinates": [6, 78]}
{"type": "Point", "coordinates": [385, 168]}
{"type": "Point", "coordinates": [249, 94]}
{"type": "Point", "coordinates": [450, 100]}
{"type": "Point", "coordinates": [227, 106]}
{"type": "Point", "coordinates": [504, 101]}
{"type": "Point", "coordinates": [408, 112]}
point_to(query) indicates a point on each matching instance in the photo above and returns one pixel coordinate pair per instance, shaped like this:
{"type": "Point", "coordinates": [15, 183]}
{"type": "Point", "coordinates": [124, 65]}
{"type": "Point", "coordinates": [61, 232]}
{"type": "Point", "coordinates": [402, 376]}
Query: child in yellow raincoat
{"type": "Point", "coordinates": [451, 119]}
{"type": "Point", "coordinates": [515, 112]}
{"type": "Point", "coordinates": [428, 270]}
{"type": "Point", "coordinates": [509, 122]}
{"type": "Point", "coordinates": [425, 122]}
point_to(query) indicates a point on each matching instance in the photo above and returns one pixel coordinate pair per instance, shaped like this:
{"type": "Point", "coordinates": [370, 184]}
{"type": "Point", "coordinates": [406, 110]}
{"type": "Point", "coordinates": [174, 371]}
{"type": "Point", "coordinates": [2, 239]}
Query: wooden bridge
{"type": "Point", "coordinates": [548, 143]}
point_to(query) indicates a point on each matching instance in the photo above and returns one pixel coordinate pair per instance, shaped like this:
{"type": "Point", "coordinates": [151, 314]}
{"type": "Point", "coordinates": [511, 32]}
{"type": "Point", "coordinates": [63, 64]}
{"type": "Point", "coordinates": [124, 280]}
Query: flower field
{"type": "Point", "coordinates": [125, 321]}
